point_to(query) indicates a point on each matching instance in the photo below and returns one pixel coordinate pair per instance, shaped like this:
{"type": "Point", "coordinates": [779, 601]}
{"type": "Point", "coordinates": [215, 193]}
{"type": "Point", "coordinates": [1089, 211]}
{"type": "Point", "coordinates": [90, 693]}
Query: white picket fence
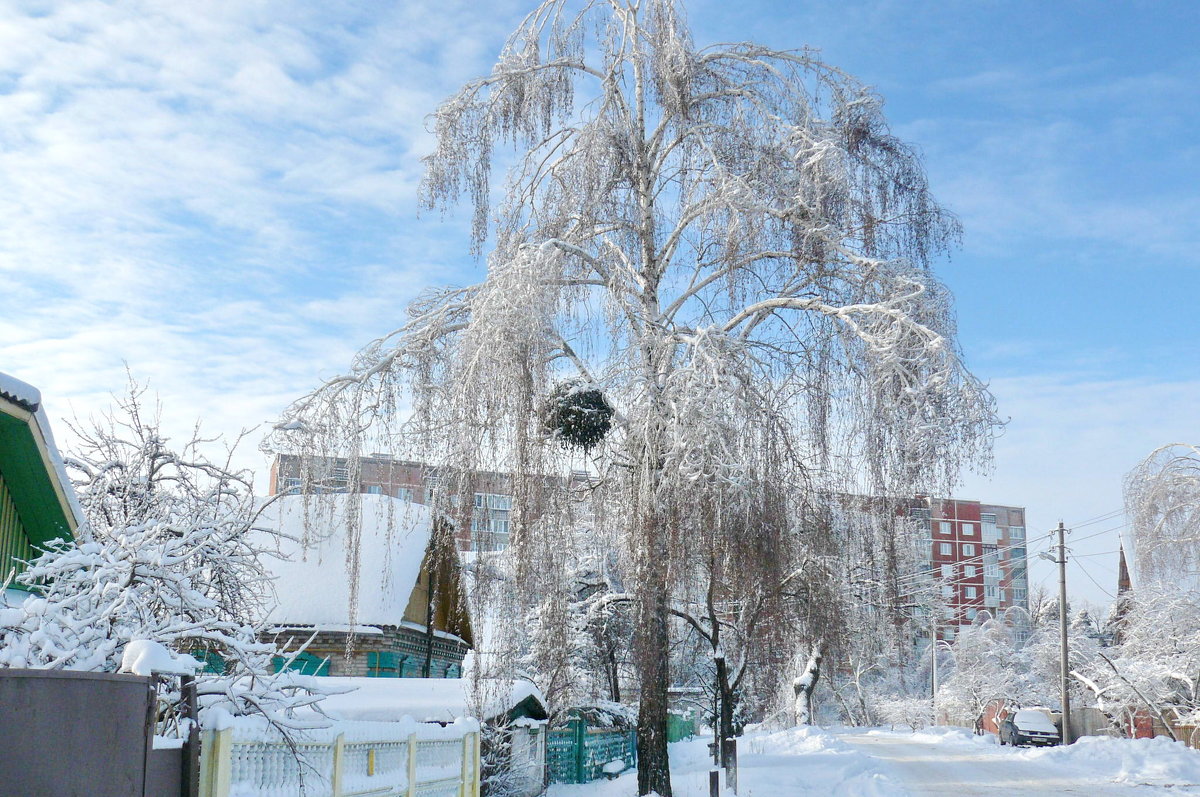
{"type": "Point", "coordinates": [352, 759]}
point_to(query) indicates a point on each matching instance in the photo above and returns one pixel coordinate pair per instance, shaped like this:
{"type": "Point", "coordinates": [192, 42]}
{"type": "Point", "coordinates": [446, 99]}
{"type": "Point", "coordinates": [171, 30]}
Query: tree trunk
{"type": "Point", "coordinates": [727, 703]}
{"type": "Point", "coordinates": [806, 684]}
{"type": "Point", "coordinates": [651, 642]}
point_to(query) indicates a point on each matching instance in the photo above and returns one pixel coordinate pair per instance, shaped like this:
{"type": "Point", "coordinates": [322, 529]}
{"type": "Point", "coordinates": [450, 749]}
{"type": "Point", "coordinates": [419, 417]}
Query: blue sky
{"type": "Point", "coordinates": [223, 195]}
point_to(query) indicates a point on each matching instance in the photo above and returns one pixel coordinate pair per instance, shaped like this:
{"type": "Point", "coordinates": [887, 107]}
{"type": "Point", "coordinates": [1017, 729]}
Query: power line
{"type": "Point", "coordinates": [1094, 581]}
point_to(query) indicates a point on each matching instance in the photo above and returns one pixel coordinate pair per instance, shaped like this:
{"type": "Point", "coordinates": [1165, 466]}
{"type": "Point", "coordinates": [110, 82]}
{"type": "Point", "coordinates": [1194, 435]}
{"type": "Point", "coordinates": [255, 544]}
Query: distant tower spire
{"type": "Point", "coordinates": [1123, 582]}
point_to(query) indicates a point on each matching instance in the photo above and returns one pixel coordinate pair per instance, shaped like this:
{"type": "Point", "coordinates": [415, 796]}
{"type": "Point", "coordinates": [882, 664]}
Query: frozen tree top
{"type": "Point", "coordinates": [311, 581]}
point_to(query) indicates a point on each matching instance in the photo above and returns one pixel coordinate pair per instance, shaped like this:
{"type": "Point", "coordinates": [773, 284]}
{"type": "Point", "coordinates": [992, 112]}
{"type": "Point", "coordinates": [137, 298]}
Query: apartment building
{"type": "Point", "coordinates": [483, 525]}
{"type": "Point", "coordinates": [975, 553]}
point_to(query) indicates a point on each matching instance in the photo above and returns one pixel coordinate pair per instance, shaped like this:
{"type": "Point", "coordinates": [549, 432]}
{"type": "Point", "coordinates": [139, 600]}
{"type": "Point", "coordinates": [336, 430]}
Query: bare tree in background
{"type": "Point", "coordinates": [728, 247]}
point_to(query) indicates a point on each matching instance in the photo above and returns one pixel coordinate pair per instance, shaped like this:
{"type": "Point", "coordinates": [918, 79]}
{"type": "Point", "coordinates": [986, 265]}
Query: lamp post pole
{"type": "Point", "coordinates": [1062, 632]}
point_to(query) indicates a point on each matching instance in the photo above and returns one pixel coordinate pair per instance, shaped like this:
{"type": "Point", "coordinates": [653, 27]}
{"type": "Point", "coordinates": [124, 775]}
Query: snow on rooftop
{"type": "Point", "coordinates": [423, 699]}
{"type": "Point", "coordinates": [14, 389]}
{"type": "Point", "coordinates": [311, 581]}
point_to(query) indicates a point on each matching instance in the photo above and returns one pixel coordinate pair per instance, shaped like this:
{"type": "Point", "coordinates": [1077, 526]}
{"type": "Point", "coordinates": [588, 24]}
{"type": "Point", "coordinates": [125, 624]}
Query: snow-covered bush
{"type": "Point", "coordinates": [164, 555]}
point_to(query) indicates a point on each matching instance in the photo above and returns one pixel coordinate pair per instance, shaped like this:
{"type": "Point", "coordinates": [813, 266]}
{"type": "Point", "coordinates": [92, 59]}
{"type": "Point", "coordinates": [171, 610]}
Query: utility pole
{"type": "Point", "coordinates": [1062, 631]}
{"type": "Point", "coordinates": [933, 640]}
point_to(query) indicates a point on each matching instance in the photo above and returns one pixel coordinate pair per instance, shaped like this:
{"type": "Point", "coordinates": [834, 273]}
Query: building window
{"type": "Point", "coordinates": [291, 485]}
{"type": "Point", "coordinates": [972, 614]}
{"type": "Point", "coordinates": [1016, 532]}
{"type": "Point", "coordinates": [405, 494]}
{"type": "Point", "coordinates": [1018, 594]}
{"type": "Point", "coordinates": [948, 633]}
{"type": "Point", "coordinates": [945, 527]}
{"type": "Point", "coordinates": [1002, 596]}
{"type": "Point", "coordinates": [971, 592]}
{"type": "Point", "coordinates": [947, 571]}
{"type": "Point", "coordinates": [948, 592]}
{"type": "Point", "coordinates": [968, 529]}
{"type": "Point", "coordinates": [1018, 553]}
{"type": "Point", "coordinates": [946, 549]}
{"type": "Point", "coordinates": [987, 517]}
{"type": "Point", "coordinates": [968, 549]}
{"type": "Point", "coordinates": [968, 571]}
{"type": "Point", "coordinates": [374, 489]}
{"type": "Point", "coordinates": [990, 591]}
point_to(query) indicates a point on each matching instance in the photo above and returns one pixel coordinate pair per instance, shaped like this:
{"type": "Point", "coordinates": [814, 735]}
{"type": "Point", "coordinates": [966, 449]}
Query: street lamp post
{"type": "Point", "coordinates": [933, 647]}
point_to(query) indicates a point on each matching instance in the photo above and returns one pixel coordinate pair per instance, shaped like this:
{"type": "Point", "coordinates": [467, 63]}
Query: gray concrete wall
{"type": "Point", "coordinates": [71, 734]}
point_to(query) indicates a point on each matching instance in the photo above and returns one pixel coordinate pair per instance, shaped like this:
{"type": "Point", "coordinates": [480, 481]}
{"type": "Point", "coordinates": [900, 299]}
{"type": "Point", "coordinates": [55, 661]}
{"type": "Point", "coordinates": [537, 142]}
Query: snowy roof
{"type": "Point", "coordinates": [29, 398]}
{"type": "Point", "coordinates": [424, 699]}
{"type": "Point", "coordinates": [311, 581]}
{"type": "Point", "coordinates": [19, 392]}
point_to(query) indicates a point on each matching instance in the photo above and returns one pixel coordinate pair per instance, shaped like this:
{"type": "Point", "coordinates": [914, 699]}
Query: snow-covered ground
{"type": "Point", "coordinates": [941, 761]}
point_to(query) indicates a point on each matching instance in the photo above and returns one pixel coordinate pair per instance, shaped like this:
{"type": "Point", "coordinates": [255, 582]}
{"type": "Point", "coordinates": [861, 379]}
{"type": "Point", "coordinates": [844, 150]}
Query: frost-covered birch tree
{"type": "Point", "coordinates": [719, 256]}
{"type": "Point", "coordinates": [1162, 503]}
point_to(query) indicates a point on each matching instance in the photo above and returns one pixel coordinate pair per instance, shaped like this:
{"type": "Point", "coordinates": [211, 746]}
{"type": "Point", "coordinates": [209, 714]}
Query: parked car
{"type": "Point", "coordinates": [1028, 727]}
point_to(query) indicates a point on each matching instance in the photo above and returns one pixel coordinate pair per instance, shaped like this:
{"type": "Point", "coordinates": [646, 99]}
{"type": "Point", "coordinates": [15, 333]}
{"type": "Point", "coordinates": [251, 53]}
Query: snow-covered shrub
{"type": "Point", "coordinates": [164, 555]}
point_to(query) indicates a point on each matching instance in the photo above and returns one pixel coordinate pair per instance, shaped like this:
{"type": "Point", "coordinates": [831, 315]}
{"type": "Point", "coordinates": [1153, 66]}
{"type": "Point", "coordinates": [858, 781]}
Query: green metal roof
{"type": "Point", "coordinates": [33, 482]}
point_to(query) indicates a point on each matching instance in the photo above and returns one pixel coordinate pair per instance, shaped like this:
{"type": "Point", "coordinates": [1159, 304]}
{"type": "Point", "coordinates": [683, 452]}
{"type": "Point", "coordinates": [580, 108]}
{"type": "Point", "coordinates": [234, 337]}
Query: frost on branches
{"type": "Point", "coordinates": [730, 247]}
{"type": "Point", "coordinates": [163, 557]}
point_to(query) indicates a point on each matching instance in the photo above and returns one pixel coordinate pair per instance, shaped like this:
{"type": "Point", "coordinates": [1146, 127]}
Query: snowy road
{"type": "Point", "coordinates": [957, 764]}
{"type": "Point", "coordinates": [855, 762]}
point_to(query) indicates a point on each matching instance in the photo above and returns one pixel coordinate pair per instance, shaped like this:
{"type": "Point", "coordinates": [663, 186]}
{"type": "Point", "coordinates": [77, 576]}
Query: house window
{"type": "Point", "coordinates": [968, 571]}
{"type": "Point", "coordinates": [968, 549]}
{"type": "Point", "coordinates": [971, 592]}
{"type": "Point", "coordinates": [946, 549]}
{"type": "Point", "coordinates": [945, 527]}
{"type": "Point", "coordinates": [968, 529]}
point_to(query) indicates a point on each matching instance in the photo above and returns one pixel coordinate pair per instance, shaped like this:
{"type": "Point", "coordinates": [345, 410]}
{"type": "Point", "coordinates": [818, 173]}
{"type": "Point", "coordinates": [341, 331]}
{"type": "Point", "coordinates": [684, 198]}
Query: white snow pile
{"type": "Point", "coordinates": [798, 762]}
{"type": "Point", "coordinates": [146, 657]}
{"type": "Point", "coordinates": [1137, 762]}
{"type": "Point", "coordinates": [423, 699]}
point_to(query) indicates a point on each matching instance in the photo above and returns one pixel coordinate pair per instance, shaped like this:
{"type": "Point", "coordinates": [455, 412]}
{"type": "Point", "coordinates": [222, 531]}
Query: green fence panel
{"type": "Point", "coordinates": [679, 728]}
{"type": "Point", "coordinates": [577, 754]}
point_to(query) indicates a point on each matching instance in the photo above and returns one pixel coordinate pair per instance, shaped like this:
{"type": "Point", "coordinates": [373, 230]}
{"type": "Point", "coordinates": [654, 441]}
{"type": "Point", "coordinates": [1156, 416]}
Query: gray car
{"type": "Point", "coordinates": [1028, 727]}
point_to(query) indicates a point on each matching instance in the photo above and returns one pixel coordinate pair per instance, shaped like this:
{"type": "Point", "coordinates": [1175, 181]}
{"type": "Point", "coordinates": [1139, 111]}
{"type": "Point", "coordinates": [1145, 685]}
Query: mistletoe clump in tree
{"type": "Point", "coordinates": [731, 247]}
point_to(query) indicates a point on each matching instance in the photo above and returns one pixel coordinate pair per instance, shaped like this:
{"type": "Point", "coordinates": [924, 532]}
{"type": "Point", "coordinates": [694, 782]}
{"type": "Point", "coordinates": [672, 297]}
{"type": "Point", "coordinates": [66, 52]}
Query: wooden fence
{"type": "Point", "coordinates": [377, 759]}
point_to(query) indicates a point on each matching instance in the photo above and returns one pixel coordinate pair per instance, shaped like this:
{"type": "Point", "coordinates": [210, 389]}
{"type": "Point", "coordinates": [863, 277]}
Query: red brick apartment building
{"type": "Point", "coordinates": [976, 553]}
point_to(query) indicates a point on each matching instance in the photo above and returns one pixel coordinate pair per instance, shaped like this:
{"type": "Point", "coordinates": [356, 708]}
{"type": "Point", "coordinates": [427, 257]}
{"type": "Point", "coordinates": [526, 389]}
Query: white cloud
{"type": "Point", "coordinates": [1066, 451]}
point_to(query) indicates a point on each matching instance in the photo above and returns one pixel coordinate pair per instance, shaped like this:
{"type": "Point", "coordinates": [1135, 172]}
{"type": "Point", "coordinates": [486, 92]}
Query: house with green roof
{"type": "Point", "coordinates": [37, 502]}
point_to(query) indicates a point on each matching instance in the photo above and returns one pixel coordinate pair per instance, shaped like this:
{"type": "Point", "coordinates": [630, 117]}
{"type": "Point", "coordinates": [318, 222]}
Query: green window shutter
{"type": "Point", "coordinates": [305, 664]}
